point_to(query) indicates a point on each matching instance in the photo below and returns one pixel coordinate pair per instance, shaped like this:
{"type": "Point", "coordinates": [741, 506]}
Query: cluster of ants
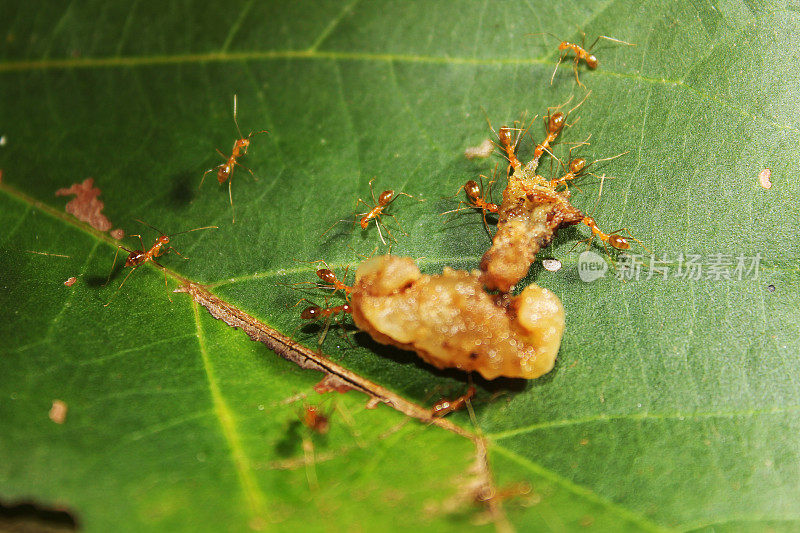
{"type": "Point", "coordinates": [555, 191]}
{"type": "Point", "coordinates": [525, 187]}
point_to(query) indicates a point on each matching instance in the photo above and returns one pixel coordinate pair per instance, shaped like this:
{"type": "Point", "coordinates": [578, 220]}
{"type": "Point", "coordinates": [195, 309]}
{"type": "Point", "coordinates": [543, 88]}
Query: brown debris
{"type": "Point", "coordinates": [86, 205]}
{"type": "Point", "coordinates": [117, 234]}
{"type": "Point", "coordinates": [451, 321]}
{"type": "Point", "coordinates": [71, 281]}
{"type": "Point", "coordinates": [331, 383]}
{"type": "Point", "coordinates": [764, 178]}
{"type": "Point", "coordinates": [58, 412]}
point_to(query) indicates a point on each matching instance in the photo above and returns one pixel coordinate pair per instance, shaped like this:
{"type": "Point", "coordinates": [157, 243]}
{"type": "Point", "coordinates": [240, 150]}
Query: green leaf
{"type": "Point", "coordinates": [674, 402]}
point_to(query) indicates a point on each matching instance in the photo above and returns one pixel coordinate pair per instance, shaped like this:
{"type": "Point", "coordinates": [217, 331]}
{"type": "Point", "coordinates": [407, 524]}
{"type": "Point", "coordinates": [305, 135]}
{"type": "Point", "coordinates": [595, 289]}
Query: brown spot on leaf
{"type": "Point", "coordinates": [71, 281]}
{"type": "Point", "coordinates": [86, 205]}
{"type": "Point", "coordinates": [117, 233]}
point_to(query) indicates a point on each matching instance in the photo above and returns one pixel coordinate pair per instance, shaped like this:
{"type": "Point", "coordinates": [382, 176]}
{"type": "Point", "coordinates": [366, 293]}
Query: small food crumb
{"type": "Point", "coordinates": [58, 413]}
{"type": "Point", "coordinates": [481, 151]}
{"type": "Point", "coordinates": [117, 233]}
{"type": "Point", "coordinates": [763, 178]}
{"type": "Point", "coordinates": [3, 140]}
{"type": "Point", "coordinates": [553, 265]}
{"type": "Point", "coordinates": [71, 281]}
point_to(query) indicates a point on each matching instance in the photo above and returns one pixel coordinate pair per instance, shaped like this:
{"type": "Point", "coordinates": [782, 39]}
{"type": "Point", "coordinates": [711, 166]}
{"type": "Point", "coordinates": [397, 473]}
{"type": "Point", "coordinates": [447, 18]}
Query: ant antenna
{"type": "Point", "coordinates": [171, 234]}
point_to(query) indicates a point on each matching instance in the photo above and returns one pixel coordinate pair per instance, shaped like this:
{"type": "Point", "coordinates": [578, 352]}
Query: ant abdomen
{"type": "Point", "coordinates": [591, 61]}
{"type": "Point", "coordinates": [311, 312]}
{"type": "Point", "coordinates": [472, 189]}
{"type": "Point", "coordinates": [618, 242]}
{"type": "Point", "coordinates": [577, 165]}
{"type": "Point", "coordinates": [326, 275]}
{"type": "Point", "coordinates": [556, 122]}
{"type": "Point", "coordinates": [385, 197]}
{"type": "Point", "coordinates": [504, 134]}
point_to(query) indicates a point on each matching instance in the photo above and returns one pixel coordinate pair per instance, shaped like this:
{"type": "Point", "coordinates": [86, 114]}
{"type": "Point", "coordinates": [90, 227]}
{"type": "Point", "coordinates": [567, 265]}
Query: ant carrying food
{"type": "Point", "coordinates": [225, 170]}
{"type": "Point", "coordinates": [581, 52]}
{"type": "Point", "coordinates": [137, 258]}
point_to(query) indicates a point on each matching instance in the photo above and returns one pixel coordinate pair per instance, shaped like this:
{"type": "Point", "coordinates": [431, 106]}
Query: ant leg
{"type": "Point", "coordinates": [112, 267]}
{"type": "Point", "coordinates": [575, 68]}
{"type": "Point", "coordinates": [164, 270]}
{"type": "Point", "coordinates": [120, 285]}
{"type": "Point", "coordinates": [607, 38]}
{"type": "Point", "coordinates": [140, 240]}
{"type": "Point", "coordinates": [377, 223]}
{"type": "Point", "coordinates": [560, 59]}
{"type": "Point", "coordinates": [247, 169]}
{"type": "Point", "coordinates": [170, 248]}
{"type": "Point", "coordinates": [204, 175]}
{"type": "Point", "coordinates": [230, 195]}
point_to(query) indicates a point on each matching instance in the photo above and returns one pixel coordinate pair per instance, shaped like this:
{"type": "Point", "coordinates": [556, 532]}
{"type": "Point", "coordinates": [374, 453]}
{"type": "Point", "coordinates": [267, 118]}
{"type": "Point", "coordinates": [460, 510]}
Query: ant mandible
{"type": "Point", "coordinates": [137, 258]}
{"type": "Point", "coordinates": [225, 170]}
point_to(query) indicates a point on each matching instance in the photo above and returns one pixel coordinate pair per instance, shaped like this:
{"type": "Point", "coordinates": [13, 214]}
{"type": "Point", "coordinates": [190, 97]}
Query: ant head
{"type": "Point", "coordinates": [591, 61]}
{"type": "Point", "coordinates": [472, 189]}
{"type": "Point", "coordinates": [311, 312]}
{"type": "Point", "coordinates": [577, 165]}
{"type": "Point", "coordinates": [618, 242]}
{"type": "Point", "coordinates": [556, 122]}
{"type": "Point", "coordinates": [244, 142]}
{"type": "Point", "coordinates": [164, 239]}
{"type": "Point", "coordinates": [385, 197]}
{"type": "Point", "coordinates": [326, 275]}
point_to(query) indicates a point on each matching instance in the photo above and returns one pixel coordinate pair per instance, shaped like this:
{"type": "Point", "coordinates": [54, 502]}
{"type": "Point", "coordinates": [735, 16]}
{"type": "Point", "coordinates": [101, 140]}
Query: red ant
{"type": "Point", "coordinates": [137, 258]}
{"type": "Point", "coordinates": [225, 170]}
{"type": "Point", "coordinates": [315, 312]}
{"type": "Point", "coordinates": [476, 199]}
{"type": "Point", "coordinates": [314, 420]}
{"type": "Point", "coordinates": [614, 238]}
{"type": "Point", "coordinates": [578, 166]}
{"type": "Point", "coordinates": [509, 141]}
{"type": "Point", "coordinates": [581, 53]}
{"type": "Point", "coordinates": [375, 211]}
{"type": "Point", "coordinates": [554, 123]}
{"type": "Point", "coordinates": [327, 275]}
{"type": "Point", "coordinates": [444, 406]}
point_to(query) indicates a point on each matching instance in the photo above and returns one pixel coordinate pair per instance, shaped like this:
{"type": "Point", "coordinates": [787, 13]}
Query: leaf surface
{"type": "Point", "coordinates": [674, 401]}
